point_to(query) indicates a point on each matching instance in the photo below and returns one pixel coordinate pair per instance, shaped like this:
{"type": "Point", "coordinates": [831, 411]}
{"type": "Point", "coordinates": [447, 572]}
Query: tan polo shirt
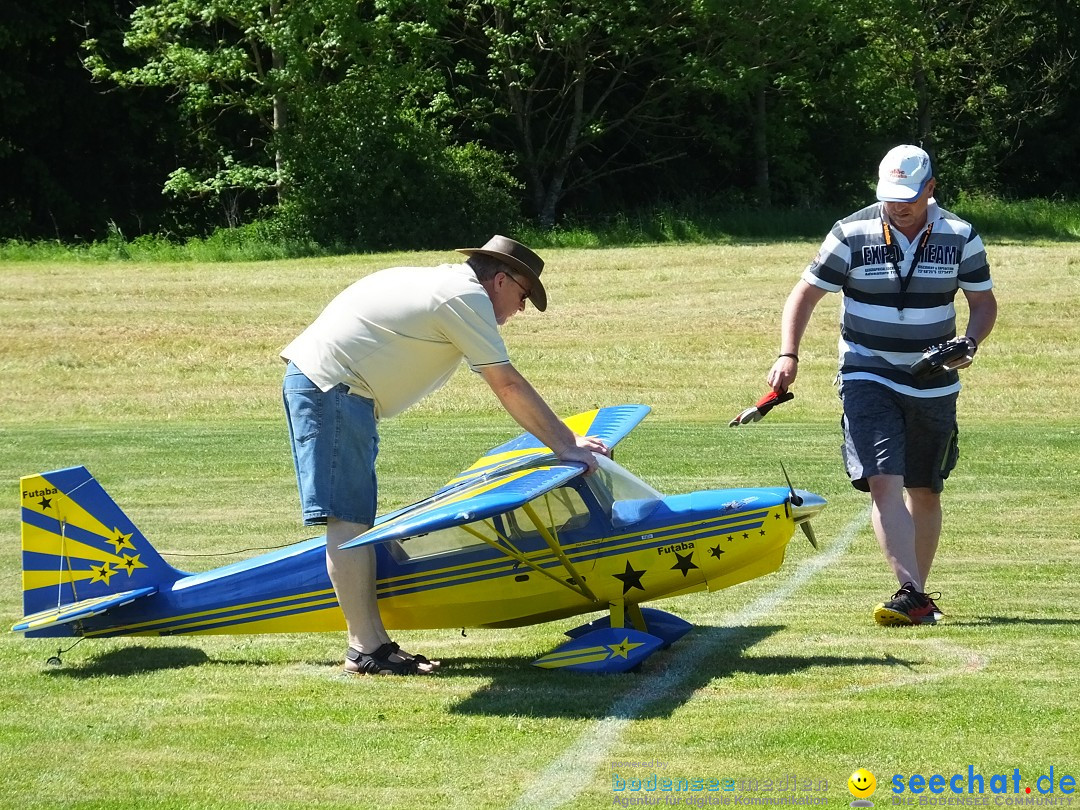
{"type": "Point", "coordinates": [399, 334]}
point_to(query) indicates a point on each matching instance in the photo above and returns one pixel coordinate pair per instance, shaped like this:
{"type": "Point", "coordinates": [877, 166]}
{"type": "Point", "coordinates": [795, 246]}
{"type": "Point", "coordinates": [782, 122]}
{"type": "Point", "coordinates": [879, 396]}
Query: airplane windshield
{"type": "Point", "coordinates": [559, 510]}
{"type": "Point", "coordinates": [622, 494]}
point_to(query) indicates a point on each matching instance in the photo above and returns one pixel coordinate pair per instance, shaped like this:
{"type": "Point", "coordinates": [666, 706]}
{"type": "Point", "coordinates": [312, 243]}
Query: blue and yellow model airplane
{"type": "Point", "coordinates": [518, 538]}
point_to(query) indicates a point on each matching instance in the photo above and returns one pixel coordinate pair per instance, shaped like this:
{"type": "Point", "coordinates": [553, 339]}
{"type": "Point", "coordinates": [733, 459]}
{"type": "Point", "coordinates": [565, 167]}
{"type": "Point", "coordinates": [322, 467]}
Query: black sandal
{"type": "Point", "coordinates": [419, 659]}
{"type": "Point", "coordinates": [379, 663]}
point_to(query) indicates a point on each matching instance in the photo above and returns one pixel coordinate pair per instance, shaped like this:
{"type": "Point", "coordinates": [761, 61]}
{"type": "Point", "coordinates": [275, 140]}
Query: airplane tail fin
{"type": "Point", "coordinates": [80, 550]}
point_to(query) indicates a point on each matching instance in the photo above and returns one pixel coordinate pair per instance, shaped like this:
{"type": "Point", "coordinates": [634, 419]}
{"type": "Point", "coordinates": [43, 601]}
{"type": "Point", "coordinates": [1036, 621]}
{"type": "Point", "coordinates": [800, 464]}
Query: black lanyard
{"type": "Point", "coordinates": [892, 251]}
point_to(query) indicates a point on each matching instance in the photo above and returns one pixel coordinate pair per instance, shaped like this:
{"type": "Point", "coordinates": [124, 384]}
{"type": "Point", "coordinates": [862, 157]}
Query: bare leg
{"type": "Point", "coordinates": [352, 572]}
{"type": "Point", "coordinates": [895, 528]}
{"type": "Point", "coordinates": [924, 506]}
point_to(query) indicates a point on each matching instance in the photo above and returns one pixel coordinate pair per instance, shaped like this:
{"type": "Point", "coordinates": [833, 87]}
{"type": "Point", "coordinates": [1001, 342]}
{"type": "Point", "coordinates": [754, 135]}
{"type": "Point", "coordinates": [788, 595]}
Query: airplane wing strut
{"type": "Point", "coordinates": [508, 548]}
{"type": "Point", "coordinates": [556, 547]}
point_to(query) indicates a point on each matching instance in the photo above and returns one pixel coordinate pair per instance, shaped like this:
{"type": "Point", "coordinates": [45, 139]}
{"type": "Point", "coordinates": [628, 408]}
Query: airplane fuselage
{"type": "Point", "coordinates": [702, 540]}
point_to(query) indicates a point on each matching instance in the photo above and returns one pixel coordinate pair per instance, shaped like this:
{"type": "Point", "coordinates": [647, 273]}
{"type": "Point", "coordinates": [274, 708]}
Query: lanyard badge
{"type": "Point", "coordinates": [893, 256]}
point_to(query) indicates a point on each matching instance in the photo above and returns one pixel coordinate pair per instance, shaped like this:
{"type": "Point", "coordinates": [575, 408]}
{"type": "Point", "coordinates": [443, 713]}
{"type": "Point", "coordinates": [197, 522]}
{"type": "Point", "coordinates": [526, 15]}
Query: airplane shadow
{"type": "Point", "coordinates": [137, 660]}
{"type": "Point", "coordinates": [983, 621]}
{"type": "Point", "coordinates": [665, 682]}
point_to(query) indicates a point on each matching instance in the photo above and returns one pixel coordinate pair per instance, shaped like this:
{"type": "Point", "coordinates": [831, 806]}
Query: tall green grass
{"type": "Point", "coordinates": [686, 223]}
{"type": "Point", "coordinates": [247, 243]}
{"type": "Point", "coordinates": [1027, 220]}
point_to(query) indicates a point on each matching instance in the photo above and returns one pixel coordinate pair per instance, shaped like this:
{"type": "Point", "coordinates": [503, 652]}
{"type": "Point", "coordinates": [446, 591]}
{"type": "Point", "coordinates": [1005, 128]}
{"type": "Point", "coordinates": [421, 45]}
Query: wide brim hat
{"type": "Point", "coordinates": [518, 258]}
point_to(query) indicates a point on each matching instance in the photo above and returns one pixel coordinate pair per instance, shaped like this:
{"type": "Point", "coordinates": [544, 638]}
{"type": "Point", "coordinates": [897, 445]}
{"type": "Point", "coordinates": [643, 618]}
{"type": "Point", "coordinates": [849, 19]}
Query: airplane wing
{"type": "Point", "coordinates": [609, 424]}
{"type": "Point", "coordinates": [480, 498]}
{"type": "Point", "coordinates": [503, 479]}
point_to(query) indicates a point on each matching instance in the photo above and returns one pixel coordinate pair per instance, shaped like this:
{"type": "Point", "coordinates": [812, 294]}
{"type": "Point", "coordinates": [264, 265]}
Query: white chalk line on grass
{"type": "Point", "coordinates": [563, 780]}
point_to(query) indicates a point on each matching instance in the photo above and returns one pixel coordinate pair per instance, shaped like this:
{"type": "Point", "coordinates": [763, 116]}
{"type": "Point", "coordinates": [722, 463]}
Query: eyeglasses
{"type": "Point", "coordinates": [525, 293]}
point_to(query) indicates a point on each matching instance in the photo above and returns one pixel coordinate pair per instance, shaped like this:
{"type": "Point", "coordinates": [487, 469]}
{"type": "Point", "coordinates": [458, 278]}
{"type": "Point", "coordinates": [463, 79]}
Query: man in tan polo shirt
{"type": "Point", "coordinates": [382, 345]}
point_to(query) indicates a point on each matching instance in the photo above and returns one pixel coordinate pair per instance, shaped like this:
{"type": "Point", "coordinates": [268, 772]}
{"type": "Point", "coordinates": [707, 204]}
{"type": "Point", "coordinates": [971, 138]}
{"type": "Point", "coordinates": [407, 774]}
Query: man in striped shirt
{"type": "Point", "coordinates": [898, 263]}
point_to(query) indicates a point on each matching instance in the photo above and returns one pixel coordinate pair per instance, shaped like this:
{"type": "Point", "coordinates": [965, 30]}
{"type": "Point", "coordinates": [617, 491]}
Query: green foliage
{"type": "Point", "coordinates": [959, 78]}
{"type": "Point", "coordinates": [576, 91]}
{"type": "Point", "coordinates": [365, 172]}
{"type": "Point", "coordinates": [331, 117]}
{"type": "Point", "coordinates": [257, 241]}
{"type": "Point", "coordinates": [231, 176]}
{"type": "Point", "coordinates": [249, 73]}
{"type": "Point", "coordinates": [688, 222]}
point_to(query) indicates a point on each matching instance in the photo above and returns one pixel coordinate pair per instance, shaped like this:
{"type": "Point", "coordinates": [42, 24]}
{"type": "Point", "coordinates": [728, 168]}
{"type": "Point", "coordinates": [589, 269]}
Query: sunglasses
{"type": "Point", "coordinates": [525, 293]}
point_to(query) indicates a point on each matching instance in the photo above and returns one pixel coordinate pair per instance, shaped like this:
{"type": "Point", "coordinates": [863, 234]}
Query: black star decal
{"type": "Point", "coordinates": [745, 536]}
{"type": "Point", "coordinates": [102, 573]}
{"type": "Point", "coordinates": [121, 541]}
{"type": "Point", "coordinates": [131, 563]}
{"type": "Point", "coordinates": [762, 532]}
{"type": "Point", "coordinates": [630, 578]}
{"type": "Point", "coordinates": [716, 552]}
{"type": "Point", "coordinates": [729, 538]}
{"type": "Point", "coordinates": [684, 564]}
{"type": "Point", "coordinates": [45, 503]}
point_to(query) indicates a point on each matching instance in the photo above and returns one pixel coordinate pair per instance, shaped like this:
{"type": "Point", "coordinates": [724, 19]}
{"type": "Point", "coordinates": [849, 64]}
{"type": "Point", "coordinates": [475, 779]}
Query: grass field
{"type": "Point", "coordinates": [163, 381]}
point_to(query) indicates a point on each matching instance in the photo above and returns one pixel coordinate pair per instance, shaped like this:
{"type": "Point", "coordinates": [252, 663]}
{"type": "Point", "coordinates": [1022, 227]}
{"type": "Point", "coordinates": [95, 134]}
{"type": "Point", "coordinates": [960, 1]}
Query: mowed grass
{"type": "Point", "coordinates": [163, 380]}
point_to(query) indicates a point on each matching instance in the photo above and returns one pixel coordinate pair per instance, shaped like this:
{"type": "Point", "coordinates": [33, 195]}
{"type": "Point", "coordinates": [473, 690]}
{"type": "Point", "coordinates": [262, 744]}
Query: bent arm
{"type": "Point", "coordinates": [797, 311]}
{"type": "Point", "coordinates": [982, 314]}
{"type": "Point", "coordinates": [530, 411]}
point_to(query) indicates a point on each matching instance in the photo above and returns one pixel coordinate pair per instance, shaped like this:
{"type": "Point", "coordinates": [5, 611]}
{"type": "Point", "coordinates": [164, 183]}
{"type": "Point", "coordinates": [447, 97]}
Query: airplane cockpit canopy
{"type": "Point", "coordinates": [624, 496]}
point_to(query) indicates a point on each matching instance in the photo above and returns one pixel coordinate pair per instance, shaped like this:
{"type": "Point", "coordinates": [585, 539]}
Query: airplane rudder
{"type": "Point", "coordinates": [78, 544]}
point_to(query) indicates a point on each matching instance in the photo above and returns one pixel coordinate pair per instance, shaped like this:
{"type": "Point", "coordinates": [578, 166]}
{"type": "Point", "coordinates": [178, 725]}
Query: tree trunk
{"type": "Point", "coordinates": [761, 150]}
{"type": "Point", "coordinates": [277, 60]}
{"type": "Point", "coordinates": [922, 96]}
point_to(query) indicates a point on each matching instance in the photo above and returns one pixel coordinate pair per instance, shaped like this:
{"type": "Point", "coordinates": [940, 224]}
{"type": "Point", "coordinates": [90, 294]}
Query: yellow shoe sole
{"type": "Point", "coordinates": [887, 617]}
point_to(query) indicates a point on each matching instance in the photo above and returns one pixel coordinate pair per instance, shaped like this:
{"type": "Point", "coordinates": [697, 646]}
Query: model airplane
{"type": "Point", "coordinates": [518, 538]}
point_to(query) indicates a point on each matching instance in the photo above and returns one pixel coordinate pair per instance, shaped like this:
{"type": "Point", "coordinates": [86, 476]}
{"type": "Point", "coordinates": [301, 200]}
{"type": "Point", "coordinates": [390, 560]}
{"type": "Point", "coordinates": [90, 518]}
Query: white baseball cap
{"type": "Point", "coordinates": [903, 174]}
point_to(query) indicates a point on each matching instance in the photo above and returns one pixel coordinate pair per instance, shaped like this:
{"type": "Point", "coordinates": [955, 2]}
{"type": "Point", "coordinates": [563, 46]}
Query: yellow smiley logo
{"type": "Point", "coordinates": [862, 784]}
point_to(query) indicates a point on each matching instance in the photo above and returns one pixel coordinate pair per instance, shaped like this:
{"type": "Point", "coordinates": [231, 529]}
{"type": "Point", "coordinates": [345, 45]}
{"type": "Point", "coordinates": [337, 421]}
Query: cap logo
{"type": "Point", "coordinates": [898, 174]}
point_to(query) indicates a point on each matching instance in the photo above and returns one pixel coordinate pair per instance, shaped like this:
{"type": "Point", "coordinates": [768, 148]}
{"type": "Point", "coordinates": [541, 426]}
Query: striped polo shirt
{"type": "Point", "coordinates": [884, 329]}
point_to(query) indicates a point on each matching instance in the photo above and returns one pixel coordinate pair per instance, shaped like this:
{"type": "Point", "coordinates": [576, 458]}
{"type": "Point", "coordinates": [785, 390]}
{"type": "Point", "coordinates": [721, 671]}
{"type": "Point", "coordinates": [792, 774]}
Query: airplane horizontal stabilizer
{"type": "Point", "coordinates": [51, 617]}
{"type": "Point", "coordinates": [606, 650]}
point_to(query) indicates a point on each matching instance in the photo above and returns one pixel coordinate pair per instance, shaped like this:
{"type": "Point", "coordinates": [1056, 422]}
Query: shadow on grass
{"type": "Point", "coordinates": [131, 661]}
{"type": "Point", "coordinates": [666, 681]}
{"type": "Point", "coordinates": [985, 621]}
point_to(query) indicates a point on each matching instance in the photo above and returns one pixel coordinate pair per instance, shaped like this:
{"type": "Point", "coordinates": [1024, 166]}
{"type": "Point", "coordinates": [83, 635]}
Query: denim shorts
{"type": "Point", "coordinates": [334, 442]}
{"type": "Point", "coordinates": [889, 433]}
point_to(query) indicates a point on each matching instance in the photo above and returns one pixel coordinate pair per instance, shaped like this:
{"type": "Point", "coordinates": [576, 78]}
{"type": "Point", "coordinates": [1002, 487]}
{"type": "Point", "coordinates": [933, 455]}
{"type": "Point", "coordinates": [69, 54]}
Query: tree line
{"type": "Point", "coordinates": [409, 123]}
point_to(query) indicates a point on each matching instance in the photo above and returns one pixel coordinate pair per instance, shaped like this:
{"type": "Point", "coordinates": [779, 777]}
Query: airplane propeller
{"type": "Point", "coordinates": [804, 505]}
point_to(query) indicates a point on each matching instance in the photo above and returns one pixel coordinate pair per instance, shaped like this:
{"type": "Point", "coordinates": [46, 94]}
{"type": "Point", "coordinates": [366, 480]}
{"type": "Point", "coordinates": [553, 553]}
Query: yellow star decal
{"type": "Point", "coordinates": [623, 648]}
{"type": "Point", "coordinates": [120, 541]}
{"type": "Point", "coordinates": [131, 563]}
{"type": "Point", "coordinates": [102, 573]}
